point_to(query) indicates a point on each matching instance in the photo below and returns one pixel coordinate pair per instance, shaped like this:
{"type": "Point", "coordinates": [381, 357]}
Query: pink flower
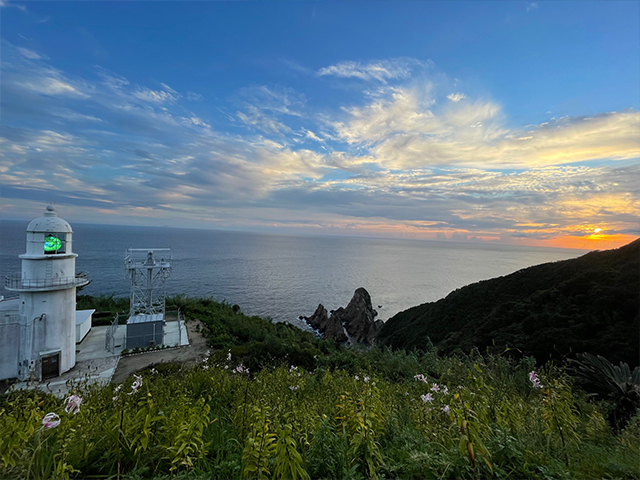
{"type": "Point", "coordinates": [534, 379]}
{"type": "Point", "coordinates": [51, 420]}
{"type": "Point", "coordinates": [435, 388]}
{"type": "Point", "coordinates": [420, 377]}
{"type": "Point", "coordinates": [73, 404]}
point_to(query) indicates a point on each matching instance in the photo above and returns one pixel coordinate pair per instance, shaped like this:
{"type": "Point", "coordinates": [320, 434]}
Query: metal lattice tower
{"type": "Point", "coordinates": [148, 278]}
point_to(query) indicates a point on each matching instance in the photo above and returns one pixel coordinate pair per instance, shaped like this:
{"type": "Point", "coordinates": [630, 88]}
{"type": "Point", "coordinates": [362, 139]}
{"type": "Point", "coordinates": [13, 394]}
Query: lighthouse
{"type": "Point", "coordinates": [45, 346]}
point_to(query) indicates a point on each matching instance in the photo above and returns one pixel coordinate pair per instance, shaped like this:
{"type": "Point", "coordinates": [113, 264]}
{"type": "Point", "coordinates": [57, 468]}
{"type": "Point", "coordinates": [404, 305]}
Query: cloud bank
{"type": "Point", "coordinates": [403, 157]}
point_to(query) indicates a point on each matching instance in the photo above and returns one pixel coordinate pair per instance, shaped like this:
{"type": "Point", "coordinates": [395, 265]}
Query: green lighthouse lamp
{"type": "Point", "coordinates": [52, 244]}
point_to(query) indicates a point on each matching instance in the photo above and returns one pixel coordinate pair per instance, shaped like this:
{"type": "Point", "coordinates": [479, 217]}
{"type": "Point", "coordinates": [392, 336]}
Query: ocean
{"type": "Point", "coordinates": [284, 276]}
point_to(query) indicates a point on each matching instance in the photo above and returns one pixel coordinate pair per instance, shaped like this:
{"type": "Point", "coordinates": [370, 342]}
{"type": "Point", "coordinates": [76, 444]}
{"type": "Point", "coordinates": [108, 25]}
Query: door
{"type": "Point", "coordinates": [50, 366]}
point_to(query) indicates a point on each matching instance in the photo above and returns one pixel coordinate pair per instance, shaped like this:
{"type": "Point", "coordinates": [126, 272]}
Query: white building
{"type": "Point", "coordinates": [39, 339]}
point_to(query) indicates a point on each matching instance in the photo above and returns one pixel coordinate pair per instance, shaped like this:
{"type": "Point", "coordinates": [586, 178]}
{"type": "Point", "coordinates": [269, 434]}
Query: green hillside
{"type": "Point", "coordinates": [590, 304]}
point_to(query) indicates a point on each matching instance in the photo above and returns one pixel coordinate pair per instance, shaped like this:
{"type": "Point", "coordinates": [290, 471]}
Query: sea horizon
{"type": "Point", "coordinates": [283, 276]}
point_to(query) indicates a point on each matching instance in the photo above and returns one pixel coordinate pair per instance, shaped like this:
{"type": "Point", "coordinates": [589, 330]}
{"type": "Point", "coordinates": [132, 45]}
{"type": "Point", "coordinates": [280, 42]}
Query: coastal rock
{"type": "Point", "coordinates": [359, 317]}
{"type": "Point", "coordinates": [357, 320]}
{"type": "Point", "coordinates": [330, 327]}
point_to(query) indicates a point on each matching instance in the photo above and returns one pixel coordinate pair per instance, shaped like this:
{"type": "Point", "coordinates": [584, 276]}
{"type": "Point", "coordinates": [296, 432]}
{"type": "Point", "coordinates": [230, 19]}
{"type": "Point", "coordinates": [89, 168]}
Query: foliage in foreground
{"type": "Point", "coordinates": [468, 417]}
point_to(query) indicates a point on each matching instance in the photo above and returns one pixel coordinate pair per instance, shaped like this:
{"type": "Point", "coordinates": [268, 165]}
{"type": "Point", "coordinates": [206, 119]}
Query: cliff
{"type": "Point", "coordinates": [587, 304]}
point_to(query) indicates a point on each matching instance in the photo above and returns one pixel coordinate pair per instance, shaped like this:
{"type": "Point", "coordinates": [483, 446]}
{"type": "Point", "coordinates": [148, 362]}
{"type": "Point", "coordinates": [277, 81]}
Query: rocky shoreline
{"type": "Point", "coordinates": [354, 324]}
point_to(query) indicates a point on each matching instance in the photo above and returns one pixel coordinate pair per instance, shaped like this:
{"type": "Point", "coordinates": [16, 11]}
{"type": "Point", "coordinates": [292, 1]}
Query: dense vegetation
{"type": "Point", "coordinates": [275, 402]}
{"type": "Point", "coordinates": [588, 304]}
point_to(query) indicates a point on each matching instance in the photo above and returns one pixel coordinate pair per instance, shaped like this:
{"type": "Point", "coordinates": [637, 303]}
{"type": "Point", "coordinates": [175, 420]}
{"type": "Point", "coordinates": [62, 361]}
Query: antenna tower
{"type": "Point", "coordinates": [148, 269]}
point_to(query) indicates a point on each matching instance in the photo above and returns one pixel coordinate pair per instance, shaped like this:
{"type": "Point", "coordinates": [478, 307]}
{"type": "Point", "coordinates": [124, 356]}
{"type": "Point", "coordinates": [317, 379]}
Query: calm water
{"type": "Point", "coordinates": [281, 276]}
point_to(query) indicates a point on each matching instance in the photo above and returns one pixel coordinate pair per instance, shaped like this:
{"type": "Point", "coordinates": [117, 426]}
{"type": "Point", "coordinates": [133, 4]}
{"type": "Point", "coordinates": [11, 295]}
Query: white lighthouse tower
{"type": "Point", "coordinates": [47, 285]}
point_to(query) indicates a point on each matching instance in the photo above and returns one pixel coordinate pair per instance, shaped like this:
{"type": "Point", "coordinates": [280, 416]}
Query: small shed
{"type": "Point", "coordinates": [83, 323]}
{"type": "Point", "coordinates": [145, 330]}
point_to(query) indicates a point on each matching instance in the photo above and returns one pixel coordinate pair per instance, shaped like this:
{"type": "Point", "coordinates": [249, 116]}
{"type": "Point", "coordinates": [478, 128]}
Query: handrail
{"type": "Point", "coordinates": [16, 282]}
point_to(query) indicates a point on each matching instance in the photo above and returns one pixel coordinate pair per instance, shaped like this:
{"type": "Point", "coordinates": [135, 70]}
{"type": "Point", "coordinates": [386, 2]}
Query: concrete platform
{"type": "Point", "coordinates": [95, 364]}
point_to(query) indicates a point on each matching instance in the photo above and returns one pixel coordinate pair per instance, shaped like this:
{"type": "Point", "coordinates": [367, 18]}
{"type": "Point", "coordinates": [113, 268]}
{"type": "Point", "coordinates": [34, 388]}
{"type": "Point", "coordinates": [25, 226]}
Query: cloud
{"type": "Point", "coordinates": [456, 97]}
{"type": "Point", "coordinates": [531, 6]}
{"type": "Point", "coordinates": [167, 94]}
{"type": "Point", "coordinates": [382, 70]}
{"type": "Point", "coordinates": [30, 53]}
{"type": "Point", "coordinates": [405, 128]}
{"type": "Point", "coordinates": [397, 158]}
{"type": "Point", "coordinates": [194, 97]}
{"type": "Point", "coordinates": [6, 3]}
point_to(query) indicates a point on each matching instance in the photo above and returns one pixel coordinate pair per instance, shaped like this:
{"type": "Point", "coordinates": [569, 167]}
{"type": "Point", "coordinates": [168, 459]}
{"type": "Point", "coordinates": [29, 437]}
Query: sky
{"type": "Point", "coordinates": [510, 122]}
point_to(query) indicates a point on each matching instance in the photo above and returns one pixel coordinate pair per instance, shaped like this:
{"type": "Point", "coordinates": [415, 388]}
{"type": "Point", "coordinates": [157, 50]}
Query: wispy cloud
{"type": "Point", "coordinates": [531, 6]}
{"type": "Point", "coordinates": [30, 54]}
{"type": "Point", "coordinates": [456, 97]}
{"type": "Point", "coordinates": [382, 70]}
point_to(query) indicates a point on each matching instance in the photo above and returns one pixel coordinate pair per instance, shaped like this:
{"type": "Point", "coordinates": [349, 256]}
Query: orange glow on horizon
{"type": "Point", "coordinates": [591, 242]}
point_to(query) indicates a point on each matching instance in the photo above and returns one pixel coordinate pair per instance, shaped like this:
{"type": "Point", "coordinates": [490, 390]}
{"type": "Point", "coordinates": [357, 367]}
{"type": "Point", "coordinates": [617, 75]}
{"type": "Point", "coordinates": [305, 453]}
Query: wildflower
{"type": "Point", "coordinates": [73, 404]}
{"type": "Point", "coordinates": [240, 369]}
{"type": "Point", "coordinates": [292, 388]}
{"type": "Point", "coordinates": [51, 420]}
{"type": "Point", "coordinates": [154, 371]}
{"type": "Point", "coordinates": [229, 356]}
{"type": "Point", "coordinates": [427, 398]}
{"type": "Point", "coordinates": [135, 385]}
{"type": "Point", "coordinates": [357, 377]}
{"type": "Point", "coordinates": [435, 388]}
{"type": "Point", "coordinates": [365, 379]}
{"type": "Point", "coordinates": [445, 409]}
{"type": "Point", "coordinates": [534, 379]}
{"type": "Point", "coordinates": [205, 367]}
{"type": "Point", "coordinates": [420, 377]}
{"type": "Point", "coordinates": [445, 390]}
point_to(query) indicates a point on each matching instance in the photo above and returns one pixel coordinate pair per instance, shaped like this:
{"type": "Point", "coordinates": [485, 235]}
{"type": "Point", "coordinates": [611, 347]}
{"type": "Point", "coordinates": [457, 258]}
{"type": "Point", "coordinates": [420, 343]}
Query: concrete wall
{"type": "Point", "coordinates": [9, 346]}
{"type": "Point", "coordinates": [83, 324]}
{"type": "Point", "coordinates": [55, 330]}
{"type": "Point", "coordinates": [141, 334]}
{"type": "Point", "coordinates": [49, 267]}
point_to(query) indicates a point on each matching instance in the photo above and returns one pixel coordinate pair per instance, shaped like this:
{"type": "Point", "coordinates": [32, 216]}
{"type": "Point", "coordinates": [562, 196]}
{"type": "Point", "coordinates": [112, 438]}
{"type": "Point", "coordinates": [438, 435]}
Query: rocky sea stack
{"type": "Point", "coordinates": [354, 324]}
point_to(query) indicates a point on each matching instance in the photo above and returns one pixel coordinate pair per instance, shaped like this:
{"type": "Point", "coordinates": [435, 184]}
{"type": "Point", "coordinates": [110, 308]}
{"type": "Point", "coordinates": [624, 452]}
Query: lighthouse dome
{"type": "Point", "coordinates": [49, 223]}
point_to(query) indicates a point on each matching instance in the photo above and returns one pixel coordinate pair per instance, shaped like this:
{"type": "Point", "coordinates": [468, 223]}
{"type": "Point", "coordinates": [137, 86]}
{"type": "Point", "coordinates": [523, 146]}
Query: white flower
{"type": "Point", "coordinates": [292, 388]}
{"type": "Point", "coordinates": [73, 404]}
{"type": "Point", "coordinates": [435, 388]}
{"type": "Point", "coordinates": [427, 398]}
{"type": "Point", "coordinates": [365, 379]}
{"type": "Point", "coordinates": [51, 420]}
{"type": "Point", "coordinates": [445, 409]}
{"type": "Point", "coordinates": [136, 384]}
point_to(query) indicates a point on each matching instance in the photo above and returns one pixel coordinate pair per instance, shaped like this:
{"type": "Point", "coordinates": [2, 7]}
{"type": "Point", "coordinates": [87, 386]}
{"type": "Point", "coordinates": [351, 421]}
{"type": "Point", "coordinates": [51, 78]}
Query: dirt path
{"type": "Point", "coordinates": [193, 353]}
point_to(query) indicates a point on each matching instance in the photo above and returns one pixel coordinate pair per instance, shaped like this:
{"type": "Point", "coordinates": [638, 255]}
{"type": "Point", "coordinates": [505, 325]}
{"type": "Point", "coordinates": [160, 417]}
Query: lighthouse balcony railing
{"type": "Point", "coordinates": [16, 282]}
